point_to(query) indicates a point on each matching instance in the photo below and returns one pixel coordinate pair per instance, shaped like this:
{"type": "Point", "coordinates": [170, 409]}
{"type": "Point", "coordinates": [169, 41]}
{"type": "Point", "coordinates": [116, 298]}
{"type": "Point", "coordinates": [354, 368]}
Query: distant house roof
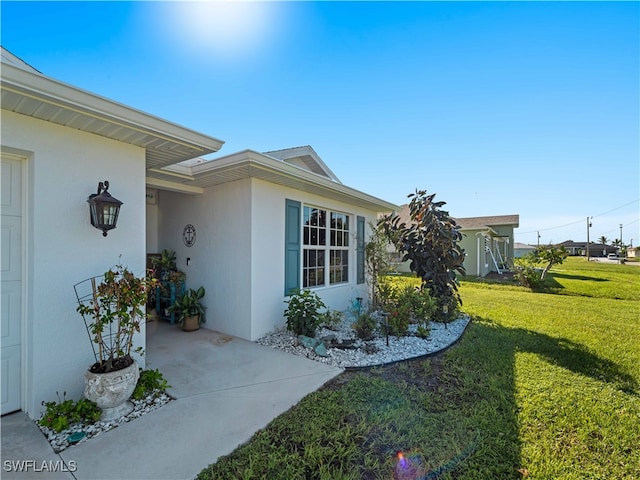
{"type": "Point", "coordinates": [479, 223]}
{"type": "Point", "coordinates": [524, 246]}
{"type": "Point", "coordinates": [470, 223]}
{"type": "Point", "coordinates": [572, 244]}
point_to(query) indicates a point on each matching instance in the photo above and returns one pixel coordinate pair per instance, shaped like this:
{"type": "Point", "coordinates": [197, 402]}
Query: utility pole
{"type": "Point", "coordinates": [621, 243]}
{"type": "Point", "coordinates": [538, 238]}
{"type": "Point", "coordinates": [588, 226]}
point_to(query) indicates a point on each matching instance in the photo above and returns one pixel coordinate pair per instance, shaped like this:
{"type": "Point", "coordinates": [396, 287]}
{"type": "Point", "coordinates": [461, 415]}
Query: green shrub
{"type": "Point", "coordinates": [423, 305]}
{"type": "Point", "coordinates": [62, 414]}
{"type": "Point", "coordinates": [149, 381]}
{"type": "Point", "coordinates": [303, 312]}
{"type": "Point", "coordinates": [331, 319]}
{"type": "Point", "coordinates": [365, 326]}
{"type": "Point", "coordinates": [398, 319]}
{"type": "Point", "coordinates": [423, 331]}
{"type": "Point", "coordinates": [527, 274]}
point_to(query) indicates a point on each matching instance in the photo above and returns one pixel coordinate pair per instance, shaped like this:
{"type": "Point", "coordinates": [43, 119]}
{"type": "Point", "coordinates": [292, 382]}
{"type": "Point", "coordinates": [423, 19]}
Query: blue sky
{"type": "Point", "coordinates": [498, 108]}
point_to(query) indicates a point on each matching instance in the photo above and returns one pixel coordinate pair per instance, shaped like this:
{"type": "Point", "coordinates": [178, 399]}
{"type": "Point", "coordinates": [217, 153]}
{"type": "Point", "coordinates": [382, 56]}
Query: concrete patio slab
{"type": "Point", "coordinates": [26, 453]}
{"type": "Point", "coordinates": [226, 389]}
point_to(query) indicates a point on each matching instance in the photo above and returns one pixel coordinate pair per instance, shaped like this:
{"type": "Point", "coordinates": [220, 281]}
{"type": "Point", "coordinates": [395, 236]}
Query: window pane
{"type": "Point", "coordinates": [322, 237]}
{"type": "Point", "coordinates": [322, 218]}
{"type": "Point", "coordinates": [339, 269]}
{"type": "Point", "coordinates": [306, 236]}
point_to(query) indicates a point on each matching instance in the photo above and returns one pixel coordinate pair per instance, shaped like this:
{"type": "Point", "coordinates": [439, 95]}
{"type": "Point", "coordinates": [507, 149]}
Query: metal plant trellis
{"type": "Point", "coordinates": [86, 293]}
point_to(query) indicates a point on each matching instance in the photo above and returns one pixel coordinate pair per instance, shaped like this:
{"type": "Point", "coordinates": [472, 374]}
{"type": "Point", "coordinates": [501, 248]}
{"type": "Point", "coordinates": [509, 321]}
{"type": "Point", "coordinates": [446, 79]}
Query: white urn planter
{"type": "Point", "coordinates": [111, 391]}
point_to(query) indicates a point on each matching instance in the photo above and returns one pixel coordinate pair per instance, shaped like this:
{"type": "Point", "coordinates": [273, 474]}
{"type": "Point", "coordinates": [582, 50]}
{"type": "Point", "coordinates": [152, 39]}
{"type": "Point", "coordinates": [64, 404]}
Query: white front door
{"type": "Point", "coordinates": [11, 289]}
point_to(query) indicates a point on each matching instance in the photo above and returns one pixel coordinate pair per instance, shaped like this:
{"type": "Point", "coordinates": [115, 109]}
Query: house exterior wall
{"type": "Point", "coordinates": [239, 251]}
{"type": "Point", "coordinates": [220, 256]}
{"type": "Point", "coordinates": [63, 167]}
{"type": "Point", "coordinates": [506, 232]}
{"type": "Point", "coordinates": [268, 249]}
{"type": "Point", "coordinates": [469, 243]}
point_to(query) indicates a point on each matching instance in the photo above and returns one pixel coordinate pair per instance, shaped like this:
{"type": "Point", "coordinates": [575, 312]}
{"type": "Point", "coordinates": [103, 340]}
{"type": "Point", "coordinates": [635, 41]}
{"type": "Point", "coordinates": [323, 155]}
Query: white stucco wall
{"type": "Point", "coordinates": [220, 258]}
{"type": "Point", "coordinates": [61, 248]}
{"type": "Point", "coordinates": [267, 252]}
{"type": "Point", "coordinates": [238, 255]}
{"type": "Point", "coordinates": [152, 228]}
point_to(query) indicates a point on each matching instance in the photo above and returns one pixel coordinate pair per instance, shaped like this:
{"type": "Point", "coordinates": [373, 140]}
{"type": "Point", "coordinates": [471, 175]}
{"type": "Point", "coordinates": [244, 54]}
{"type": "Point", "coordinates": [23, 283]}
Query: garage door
{"type": "Point", "coordinates": [11, 277]}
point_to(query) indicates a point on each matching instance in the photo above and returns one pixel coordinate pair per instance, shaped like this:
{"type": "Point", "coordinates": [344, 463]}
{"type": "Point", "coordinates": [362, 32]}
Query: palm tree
{"type": "Point", "coordinates": [603, 240]}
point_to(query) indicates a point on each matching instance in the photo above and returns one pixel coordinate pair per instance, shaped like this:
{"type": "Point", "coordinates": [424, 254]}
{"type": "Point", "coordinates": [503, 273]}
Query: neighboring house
{"type": "Point", "coordinates": [522, 249]}
{"type": "Point", "coordinates": [487, 241]}
{"type": "Point", "coordinates": [264, 223]}
{"type": "Point", "coordinates": [595, 249]}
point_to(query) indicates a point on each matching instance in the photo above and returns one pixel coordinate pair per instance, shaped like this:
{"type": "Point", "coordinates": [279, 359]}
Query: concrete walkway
{"type": "Point", "coordinates": [226, 389]}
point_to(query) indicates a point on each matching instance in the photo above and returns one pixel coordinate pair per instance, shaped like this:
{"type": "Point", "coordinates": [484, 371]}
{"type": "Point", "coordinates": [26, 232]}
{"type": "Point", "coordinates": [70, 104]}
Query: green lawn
{"type": "Point", "coordinates": [542, 386]}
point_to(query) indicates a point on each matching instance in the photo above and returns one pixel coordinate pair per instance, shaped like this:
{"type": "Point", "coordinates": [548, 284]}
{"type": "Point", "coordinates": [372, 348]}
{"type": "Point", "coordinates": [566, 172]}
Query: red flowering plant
{"type": "Point", "coordinates": [113, 311]}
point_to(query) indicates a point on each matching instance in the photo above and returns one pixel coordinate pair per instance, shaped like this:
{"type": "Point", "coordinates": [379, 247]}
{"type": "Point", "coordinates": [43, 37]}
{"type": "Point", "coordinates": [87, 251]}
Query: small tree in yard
{"type": "Point", "coordinates": [527, 272]}
{"type": "Point", "coordinates": [551, 256]}
{"type": "Point", "coordinates": [431, 243]}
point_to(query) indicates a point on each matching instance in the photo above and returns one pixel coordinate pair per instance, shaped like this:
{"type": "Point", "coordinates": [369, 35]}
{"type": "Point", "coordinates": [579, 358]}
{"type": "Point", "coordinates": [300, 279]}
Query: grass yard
{"type": "Point", "coordinates": [541, 386]}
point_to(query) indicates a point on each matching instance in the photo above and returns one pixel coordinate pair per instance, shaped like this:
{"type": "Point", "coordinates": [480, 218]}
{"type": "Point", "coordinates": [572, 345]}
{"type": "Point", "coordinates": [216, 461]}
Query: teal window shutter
{"type": "Point", "coordinates": [292, 246]}
{"type": "Point", "coordinates": [360, 249]}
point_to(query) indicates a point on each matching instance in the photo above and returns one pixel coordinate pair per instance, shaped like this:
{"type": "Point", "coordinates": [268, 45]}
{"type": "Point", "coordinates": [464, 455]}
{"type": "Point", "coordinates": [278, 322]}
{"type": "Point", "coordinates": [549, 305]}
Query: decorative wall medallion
{"type": "Point", "coordinates": [189, 235]}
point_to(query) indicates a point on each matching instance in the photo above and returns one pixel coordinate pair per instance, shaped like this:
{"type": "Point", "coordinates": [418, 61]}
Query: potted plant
{"type": "Point", "coordinates": [165, 264]}
{"type": "Point", "coordinates": [189, 309]}
{"type": "Point", "coordinates": [113, 308]}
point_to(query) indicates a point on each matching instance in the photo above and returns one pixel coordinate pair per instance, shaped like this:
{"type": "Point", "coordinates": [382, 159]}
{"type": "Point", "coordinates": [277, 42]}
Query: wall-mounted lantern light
{"type": "Point", "coordinates": [104, 209]}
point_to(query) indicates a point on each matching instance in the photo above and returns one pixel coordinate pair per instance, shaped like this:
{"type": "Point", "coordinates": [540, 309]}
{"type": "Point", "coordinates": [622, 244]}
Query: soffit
{"type": "Point", "coordinates": [41, 97]}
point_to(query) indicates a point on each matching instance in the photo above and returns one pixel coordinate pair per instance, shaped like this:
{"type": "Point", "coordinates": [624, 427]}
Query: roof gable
{"type": "Point", "coordinates": [304, 157]}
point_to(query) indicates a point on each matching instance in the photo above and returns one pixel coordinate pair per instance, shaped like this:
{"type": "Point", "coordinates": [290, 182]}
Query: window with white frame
{"type": "Point", "coordinates": [325, 253]}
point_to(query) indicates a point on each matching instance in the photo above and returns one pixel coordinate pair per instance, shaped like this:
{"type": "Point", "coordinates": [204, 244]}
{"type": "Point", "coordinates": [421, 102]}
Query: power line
{"type": "Point", "coordinates": [626, 225]}
{"type": "Point", "coordinates": [581, 220]}
{"type": "Point", "coordinates": [617, 208]}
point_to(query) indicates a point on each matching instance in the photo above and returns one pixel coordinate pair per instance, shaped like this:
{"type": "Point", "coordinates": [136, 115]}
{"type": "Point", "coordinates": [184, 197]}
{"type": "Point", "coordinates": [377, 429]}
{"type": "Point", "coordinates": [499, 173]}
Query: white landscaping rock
{"type": "Point", "coordinates": [59, 441]}
{"type": "Point", "coordinates": [440, 337]}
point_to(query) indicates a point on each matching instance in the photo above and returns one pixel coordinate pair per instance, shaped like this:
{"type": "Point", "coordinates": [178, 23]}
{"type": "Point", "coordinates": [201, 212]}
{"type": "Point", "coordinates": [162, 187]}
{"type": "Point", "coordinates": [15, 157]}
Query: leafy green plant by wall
{"type": "Point", "coordinates": [62, 414]}
{"type": "Point", "coordinates": [432, 244]}
{"type": "Point", "coordinates": [149, 382]}
{"type": "Point", "coordinates": [304, 313]}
